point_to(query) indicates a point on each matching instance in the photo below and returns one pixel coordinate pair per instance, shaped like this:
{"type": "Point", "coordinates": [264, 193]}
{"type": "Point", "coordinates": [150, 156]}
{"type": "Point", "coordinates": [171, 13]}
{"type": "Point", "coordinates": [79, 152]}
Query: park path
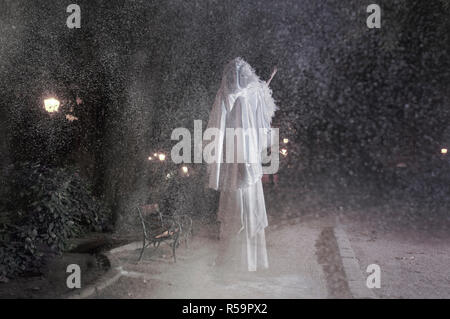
{"type": "Point", "coordinates": [414, 263]}
{"type": "Point", "coordinates": [294, 271]}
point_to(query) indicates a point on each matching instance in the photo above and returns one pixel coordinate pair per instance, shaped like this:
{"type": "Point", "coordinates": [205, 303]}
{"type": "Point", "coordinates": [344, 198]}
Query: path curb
{"type": "Point", "coordinates": [111, 276]}
{"type": "Point", "coordinates": [355, 278]}
{"type": "Point", "coordinates": [105, 281]}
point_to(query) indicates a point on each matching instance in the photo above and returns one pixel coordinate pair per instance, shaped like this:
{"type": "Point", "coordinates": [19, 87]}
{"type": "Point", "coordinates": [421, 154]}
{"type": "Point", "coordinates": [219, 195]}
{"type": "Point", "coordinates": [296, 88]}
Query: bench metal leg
{"type": "Point", "coordinates": [142, 250]}
{"type": "Point", "coordinates": [174, 247]}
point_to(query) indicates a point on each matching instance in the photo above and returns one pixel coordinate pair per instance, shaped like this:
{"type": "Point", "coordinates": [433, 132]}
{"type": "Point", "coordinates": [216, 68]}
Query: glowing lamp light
{"type": "Point", "coordinates": [283, 151]}
{"type": "Point", "coordinates": [444, 151]}
{"type": "Point", "coordinates": [51, 105]}
{"type": "Point", "coordinates": [285, 140]}
{"type": "Point", "coordinates": [150, 158]}
{"type": "Point", "coordinates": [155, 154]}
{"type": "Point", "coordinates": [162, 157]}
{"type": "Point", "coordinates": [185, 169]}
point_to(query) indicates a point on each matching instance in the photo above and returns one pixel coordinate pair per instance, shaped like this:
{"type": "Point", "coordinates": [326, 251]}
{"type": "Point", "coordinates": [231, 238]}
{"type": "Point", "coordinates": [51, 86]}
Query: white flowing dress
{"type": "Point", "coordinates": [239, 211]}
{"type": "Point", "coordinates": [243, 102]}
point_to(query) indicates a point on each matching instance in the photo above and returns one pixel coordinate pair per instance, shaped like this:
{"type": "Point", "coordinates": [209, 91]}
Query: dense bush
{"type": "Point", "coordinates": [43, 207]}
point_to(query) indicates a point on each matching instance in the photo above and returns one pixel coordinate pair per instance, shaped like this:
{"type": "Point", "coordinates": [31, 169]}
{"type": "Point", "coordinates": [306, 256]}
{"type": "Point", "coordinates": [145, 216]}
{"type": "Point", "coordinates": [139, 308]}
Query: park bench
{"type": "Point", "coordinates": [160, 228]}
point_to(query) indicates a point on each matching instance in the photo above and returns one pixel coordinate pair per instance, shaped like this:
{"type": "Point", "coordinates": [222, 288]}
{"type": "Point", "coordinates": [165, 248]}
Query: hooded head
{"type": "Point", "coordinates": [237, 76]}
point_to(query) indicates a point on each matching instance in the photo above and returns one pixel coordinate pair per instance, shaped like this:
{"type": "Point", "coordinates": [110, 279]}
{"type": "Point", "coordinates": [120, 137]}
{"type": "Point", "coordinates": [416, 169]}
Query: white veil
{"type": "Point", "coordinates": [242, 102]}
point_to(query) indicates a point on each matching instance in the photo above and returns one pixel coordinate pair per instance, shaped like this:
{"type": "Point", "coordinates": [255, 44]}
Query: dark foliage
{"type": "Point", "coordinates": [44, 207]}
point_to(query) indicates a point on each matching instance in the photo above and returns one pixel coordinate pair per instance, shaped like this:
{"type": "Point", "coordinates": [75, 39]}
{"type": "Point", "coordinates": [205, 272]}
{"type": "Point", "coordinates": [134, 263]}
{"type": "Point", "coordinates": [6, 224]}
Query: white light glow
{"type": "Point", "coordinates": [51, 105]}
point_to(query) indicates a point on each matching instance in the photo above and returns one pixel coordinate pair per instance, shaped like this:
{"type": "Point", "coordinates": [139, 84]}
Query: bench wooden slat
{"type": "Point", "coordinates": [150, 209]}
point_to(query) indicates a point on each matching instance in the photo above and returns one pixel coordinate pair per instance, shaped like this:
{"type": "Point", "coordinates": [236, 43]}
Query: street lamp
{"type": "Point", "coordinates": [161, 157]}
{"type": "Point", "coordinates": [51, 105]}
{"type": "Point", "coordinates": [444, 151]}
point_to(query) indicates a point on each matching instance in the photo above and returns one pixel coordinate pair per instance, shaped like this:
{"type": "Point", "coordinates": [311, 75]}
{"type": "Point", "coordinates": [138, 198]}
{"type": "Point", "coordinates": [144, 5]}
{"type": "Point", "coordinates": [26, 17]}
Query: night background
{"type": "Point", "coordinates": [365, 113]}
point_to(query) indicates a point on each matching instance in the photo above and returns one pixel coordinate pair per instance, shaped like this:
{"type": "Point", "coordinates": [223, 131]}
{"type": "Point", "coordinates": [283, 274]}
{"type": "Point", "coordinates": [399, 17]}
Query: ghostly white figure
{"type": "Point", "coordinates": [243, 103]}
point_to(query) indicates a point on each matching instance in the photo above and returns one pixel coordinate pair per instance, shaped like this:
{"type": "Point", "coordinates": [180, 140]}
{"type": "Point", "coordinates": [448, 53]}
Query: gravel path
{"type": "Point", "coordinates": [294, 271]}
